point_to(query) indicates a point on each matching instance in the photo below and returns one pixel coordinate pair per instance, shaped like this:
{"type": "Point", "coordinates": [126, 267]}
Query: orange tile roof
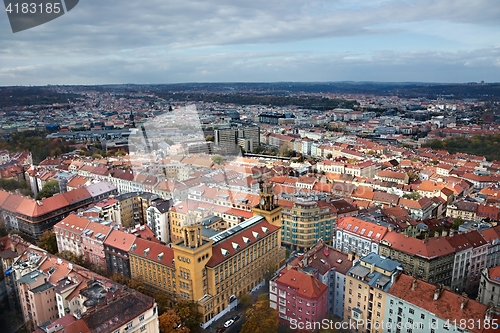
{"type": "Point", "coordinates": [228, 244]}
{"type": "Point", "coordinates": [446, 307]}
{"type": "Point", "coordinates": [304, 284]}
{"type": "Point", "coordinates": [153, 251]}
{"type": "Point", "coordinates": [430, 248]}
{"type": "Point", "coordinates": [120, 240]}
{"type": "Point", "coordinates": [362, 228]}
{"type": "Point", "coordinates": [73, 223]}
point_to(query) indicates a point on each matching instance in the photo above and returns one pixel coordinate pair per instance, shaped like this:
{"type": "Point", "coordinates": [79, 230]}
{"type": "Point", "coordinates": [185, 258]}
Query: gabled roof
{"type": "Point", "coordinates": [446, 307]}
{"type": "Point", "coordinates": [362, 228]}
{"type": "Point", "coordinates": [430, 248]}
{"type": "Point", "coordinates": [153, 251]}
{"type": "Point", "coordinates": [243, 238]}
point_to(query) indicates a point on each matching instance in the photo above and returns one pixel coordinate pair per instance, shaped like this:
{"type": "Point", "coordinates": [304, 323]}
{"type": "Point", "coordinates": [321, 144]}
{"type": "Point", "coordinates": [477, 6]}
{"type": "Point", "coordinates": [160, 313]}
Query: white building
{"type": "Point", "coordinates": [158, 219]}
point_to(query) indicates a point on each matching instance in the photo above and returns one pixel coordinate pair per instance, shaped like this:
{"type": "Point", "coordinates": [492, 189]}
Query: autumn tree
{"type": "Point", "coordinates": [260, 318]}
{"type": "Point", "coordinates": [49, 189]}
{"type": "Point", "coordinates": [245, 300]}
{"type": "Point", "coordinates": [189, 314]}
{"type": "Point", "coordinates": [48, 242]}
{"type": "Point", "coordinates": [72, 257]}
{"type": "Point", "coordinates": [170, 321]}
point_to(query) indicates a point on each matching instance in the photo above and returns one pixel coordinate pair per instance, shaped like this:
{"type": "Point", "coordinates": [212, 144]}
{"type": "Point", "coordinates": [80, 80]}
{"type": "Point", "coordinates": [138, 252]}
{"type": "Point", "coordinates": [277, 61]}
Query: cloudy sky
{"type": "Point", "coordinates": [169, 41]}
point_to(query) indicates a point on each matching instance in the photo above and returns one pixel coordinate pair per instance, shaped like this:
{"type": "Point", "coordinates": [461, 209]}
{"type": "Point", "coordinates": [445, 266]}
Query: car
{"type": "Point", "coordinates": [228, 323]}
{"type": "Point", "coordinates": [235, 318]}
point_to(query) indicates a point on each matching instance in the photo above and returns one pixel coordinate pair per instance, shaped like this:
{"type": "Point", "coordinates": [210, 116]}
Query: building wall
{"type": "Point", "coordinates": [489, 290]}
{"type": "Point", "coordinates": [305, 223]}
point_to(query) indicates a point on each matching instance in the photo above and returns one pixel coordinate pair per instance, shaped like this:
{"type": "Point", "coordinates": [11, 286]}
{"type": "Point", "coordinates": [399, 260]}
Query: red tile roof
{"type": "Point", "coordinates": [362, 228]}
{"type": "Point", "coordinates": [120, 240]}
{"type": "Point", "coordinates": [430, 248]}
{"type": "Point", "coordinates": [240, 241]}
{"type": "Point", "coordinates": [446, 307]}
{"type": "Point", "coordinates": [153, 251]}
{"type": "Point", "coordinates": [304, 284]}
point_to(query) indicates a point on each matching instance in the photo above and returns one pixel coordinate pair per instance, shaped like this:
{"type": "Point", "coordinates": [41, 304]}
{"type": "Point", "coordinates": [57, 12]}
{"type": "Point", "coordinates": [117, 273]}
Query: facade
{"type": "Point", "coordinates": [477, 261]}
{"type": "Point", "coordinates": [489, 286]}
{"type": "Point", "coordinates": [418, 306]}
{"type": "Point", "coordinates": [492, 237]}
{"type": "Point", "coordinates": [462, 261]}
{"type": "Point", "coordinates": [93, 238]}
{"type": "Point", "coordinates": [306, 222]}
{"type": "Point", "coordinates": [158, 219]}
{"type": "Point", "coordinates": [430, 259]}
{"type": "Point", "coordinates": [367, 283]}
{"type": "Point", "coordinates": [154, 264]}
{"type": "Point", "coordinates": [215, 271]}
{"type": "Point", "coordinates": [355, 235]}
{"type": "Point", "coordinates": [299, 297]}
{"type": "Point", "coordinates": [69, 233]}
{"type": "Point", "coordinates": [116, 249]}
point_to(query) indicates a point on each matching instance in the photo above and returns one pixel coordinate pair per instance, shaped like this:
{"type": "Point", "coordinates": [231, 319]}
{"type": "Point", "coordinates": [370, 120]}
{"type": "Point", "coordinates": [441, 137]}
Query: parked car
{"type": "Point", "coordinates": [235, 318]}
{"type": "Point", "coordinates": [228, 323]}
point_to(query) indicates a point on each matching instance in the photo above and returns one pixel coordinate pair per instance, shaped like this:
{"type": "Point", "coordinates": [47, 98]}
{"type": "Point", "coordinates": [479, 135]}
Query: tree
{"type": "Point", "coordinates": [210, 138]}
{"type": "Point", "coordinates": [170, 321]}
{"type": "Point", "coordinates": [245, 301]}
{"type": "Point", "coordinates": [189, 314]}
{"type": "Point", "coordinates": [412, 196]}
{"type": "Point", "coordinates": [71, 256]}
{"type": "Point", "coordinates": [48, 242]}
{"type": "Point", "coordinates": [329, 156]}
{"type": "Point", "coordinates": [49, 189]}
{"type": "Point", "coordinates": [217, 159]}
{"type": "Point", "coordinates": [457, 222]}
{"type": "Point", "coordinates": [261, 318]}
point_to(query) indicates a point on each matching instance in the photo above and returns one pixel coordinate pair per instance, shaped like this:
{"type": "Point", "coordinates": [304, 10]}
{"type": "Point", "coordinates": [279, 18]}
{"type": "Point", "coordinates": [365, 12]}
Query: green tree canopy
{"type": "Point", "coordinates": [49, 189]}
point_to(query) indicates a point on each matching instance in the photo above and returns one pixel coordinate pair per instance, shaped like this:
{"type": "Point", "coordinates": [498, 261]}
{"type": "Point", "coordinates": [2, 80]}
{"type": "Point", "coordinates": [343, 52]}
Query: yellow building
{"type": "Point", "coordinates": [215, 271]}
{"type": "Point", "coordinates": [153, 263]}
{"type": "Point", "coordinates": [366, 286]}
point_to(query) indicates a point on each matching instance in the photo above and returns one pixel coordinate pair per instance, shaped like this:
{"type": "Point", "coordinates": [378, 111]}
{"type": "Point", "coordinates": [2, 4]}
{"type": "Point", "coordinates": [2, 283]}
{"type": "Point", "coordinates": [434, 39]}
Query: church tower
{"type": "Point", "coordinates": [267, 206]}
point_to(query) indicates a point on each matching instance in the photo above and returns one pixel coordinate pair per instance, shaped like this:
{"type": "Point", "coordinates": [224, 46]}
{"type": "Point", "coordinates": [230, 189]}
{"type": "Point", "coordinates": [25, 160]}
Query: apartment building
{"type": "Point", "coordinates": [304, 222]}
{"type": "Point", "coordinates": [367, 283]}
{"type": "Point", "coordinates": [462, 261]}
{"type": "Point", "coordinates": [429, 259]}
{"type": "Point", "coordinates": [158, 218]}
{"type": "Point", "coordinates": [359, 236]}
{"type": "Point", "coordinates": [69, 233]}
{"type": "Point", "coordinates": [93, 237]}
{"type": "Point", "coordinates": [418, 306]}
{"type": "Point", "coordinates": [33, 217]}
{"type": "Point", "coordinates": [299, 297]}
{"type": "Point", "coordinates": [116, 250]}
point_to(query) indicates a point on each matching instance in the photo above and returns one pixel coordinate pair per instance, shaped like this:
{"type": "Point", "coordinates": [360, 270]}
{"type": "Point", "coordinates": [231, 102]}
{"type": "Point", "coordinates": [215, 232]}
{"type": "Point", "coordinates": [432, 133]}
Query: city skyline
{"type": "Point", "coordinates": [237, 41]}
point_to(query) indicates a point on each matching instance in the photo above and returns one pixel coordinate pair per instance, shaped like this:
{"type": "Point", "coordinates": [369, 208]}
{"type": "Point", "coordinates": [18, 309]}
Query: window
{"type": "Point", "coordinates": [141, 318]}
{"type": "Point", "coordinates": [143, 328]}
{"type": "Point", "coordinates": [411, 311]}
{"type": "Point", "coordinates": [129, 325]}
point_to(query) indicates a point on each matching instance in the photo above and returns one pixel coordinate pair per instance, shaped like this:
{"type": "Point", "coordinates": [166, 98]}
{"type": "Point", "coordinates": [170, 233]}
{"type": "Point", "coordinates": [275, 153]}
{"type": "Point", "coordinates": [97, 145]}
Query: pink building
{"type": "Point", "coordinates": [93, 238]}
{"type": "Point", "coordinates": [298, 297]}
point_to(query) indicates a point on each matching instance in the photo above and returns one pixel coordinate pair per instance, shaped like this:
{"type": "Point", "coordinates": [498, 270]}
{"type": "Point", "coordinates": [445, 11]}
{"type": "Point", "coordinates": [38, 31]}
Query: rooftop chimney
{"type": "Point", "coordinates": [414, 284]}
